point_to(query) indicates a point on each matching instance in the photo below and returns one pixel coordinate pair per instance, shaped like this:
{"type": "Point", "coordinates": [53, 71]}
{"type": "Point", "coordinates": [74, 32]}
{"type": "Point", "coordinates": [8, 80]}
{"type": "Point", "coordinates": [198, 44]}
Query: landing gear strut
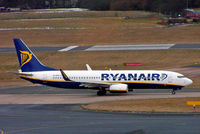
{"type": "Point", "coordinates": [101, 92]}
{"type": "Point", "coordinates": [173, 92]}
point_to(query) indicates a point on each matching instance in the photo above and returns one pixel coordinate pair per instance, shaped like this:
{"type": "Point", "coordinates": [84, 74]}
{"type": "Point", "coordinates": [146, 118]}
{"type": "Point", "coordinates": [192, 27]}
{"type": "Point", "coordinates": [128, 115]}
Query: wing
{"type": "Point", "coordinates": [88, 84]}
{"type": "Point", "coordinates": [95, 84]}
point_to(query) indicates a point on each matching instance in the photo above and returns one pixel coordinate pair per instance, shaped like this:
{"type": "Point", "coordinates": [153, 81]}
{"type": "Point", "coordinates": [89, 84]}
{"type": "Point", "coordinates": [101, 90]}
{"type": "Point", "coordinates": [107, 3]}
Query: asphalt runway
{"type": "Point", "coordinates": [69, 118]}
{"type": "Point", "coordinates": [51, 95]}
{"type": "Point", "coordinates": [38, 89]}
{"type": "Point", "coordinates": [106, 48]}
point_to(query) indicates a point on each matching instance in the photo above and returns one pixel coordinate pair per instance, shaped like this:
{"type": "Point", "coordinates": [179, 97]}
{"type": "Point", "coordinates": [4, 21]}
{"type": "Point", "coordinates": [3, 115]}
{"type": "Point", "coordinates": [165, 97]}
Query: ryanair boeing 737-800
{"type": "Point", "coordinates": [120, 81]}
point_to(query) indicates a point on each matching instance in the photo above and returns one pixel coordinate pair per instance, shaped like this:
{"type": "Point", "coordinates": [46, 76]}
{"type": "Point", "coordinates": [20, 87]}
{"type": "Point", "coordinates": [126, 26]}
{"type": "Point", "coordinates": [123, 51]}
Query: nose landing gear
{"type": "Point", "coordinates": [173, 92]}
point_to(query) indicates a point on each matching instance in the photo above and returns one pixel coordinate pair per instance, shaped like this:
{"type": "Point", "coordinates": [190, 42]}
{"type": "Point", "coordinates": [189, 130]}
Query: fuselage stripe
{"type": "Point", "coordinates": [102, 81]}
{"type": "Point", "coordinates": [139, 83]}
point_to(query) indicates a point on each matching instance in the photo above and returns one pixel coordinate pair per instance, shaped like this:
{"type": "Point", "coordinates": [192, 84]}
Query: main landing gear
{"type": "Point", "coordinates": [101, 92]}
{"type": "Point", "coordinates": [173, 92]}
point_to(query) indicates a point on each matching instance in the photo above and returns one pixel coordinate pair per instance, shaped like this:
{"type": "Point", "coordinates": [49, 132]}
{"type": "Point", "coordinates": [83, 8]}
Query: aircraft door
{"type": "Point", "coordinates": [44, 76]}
{"type": "Point", "coordinates": [170, 79]}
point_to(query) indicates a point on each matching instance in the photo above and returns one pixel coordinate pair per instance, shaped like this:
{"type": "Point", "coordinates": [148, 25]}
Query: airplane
{"type": "Point", "coordinates": [192, 14]}
{"type": "Point", "coordinates": [113, 81]}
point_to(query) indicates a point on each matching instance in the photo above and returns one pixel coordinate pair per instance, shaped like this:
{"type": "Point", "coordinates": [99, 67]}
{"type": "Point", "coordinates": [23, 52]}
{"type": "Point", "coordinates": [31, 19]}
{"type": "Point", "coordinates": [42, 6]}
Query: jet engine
{"type": "Point", "coordinates": [118, 88]}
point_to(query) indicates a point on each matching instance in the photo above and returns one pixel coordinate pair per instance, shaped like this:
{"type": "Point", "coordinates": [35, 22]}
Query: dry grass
{"type": "Point", "coordinates": [38, 14]}
{"type": "Point", "coordinates": [196, 82]}
{"type": "Point", "coordinates": [14, 83]}
{"type": "Point", "coordinates": [155, 105]}
{"type": "Point", "coordinates": [98, 31]}
{"type": "Point", "coordinates": [157, 59]}
{"type": "Point", "coordinates": [100, 28]}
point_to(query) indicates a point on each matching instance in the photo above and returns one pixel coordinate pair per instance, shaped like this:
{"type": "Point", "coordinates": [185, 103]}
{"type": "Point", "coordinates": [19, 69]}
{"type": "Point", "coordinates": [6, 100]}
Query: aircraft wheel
{"type": "Point", "coordinates": [101, 92]}
{"type": "Point", "coordinates": [173, 92]}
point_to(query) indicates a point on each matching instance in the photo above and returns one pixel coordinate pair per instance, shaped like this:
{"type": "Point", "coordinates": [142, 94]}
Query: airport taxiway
{"type": "Point", "coordinates": [63, 113]}
{"type": "Point", "coordinates": [51, 95]}
{"type": "Point", "coordinates": [68, 119]}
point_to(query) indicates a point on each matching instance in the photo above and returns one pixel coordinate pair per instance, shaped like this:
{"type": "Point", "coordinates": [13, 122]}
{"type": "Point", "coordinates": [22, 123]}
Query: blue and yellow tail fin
{"type": "Point", "coordinates": [27, 60]}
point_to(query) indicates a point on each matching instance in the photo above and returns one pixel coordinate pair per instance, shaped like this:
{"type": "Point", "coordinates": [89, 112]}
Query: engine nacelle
{"type": "Point", "coordinates": [118, 88]}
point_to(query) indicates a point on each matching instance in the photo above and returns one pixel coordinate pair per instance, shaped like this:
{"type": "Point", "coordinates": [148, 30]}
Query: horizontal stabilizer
{"type": "Point", "coordinates": [25, 74]}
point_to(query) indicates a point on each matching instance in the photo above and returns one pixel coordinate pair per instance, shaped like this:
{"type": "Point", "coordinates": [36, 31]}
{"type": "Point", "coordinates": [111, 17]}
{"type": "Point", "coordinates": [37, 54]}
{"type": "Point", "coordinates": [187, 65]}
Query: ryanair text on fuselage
{"type": "Point", "coordinates": [135, 77]}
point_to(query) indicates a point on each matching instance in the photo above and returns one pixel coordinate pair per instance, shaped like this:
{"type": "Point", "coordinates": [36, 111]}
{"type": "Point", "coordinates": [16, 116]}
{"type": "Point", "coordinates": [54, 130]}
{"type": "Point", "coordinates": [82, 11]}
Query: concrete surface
{"type": "Point", "coordinates": [47, 110]}
{"type": "Point", "coordinates": [106, 47]}
{"type": "Point", "coordinates": [50, 95]}
{"type": "Point", "coordinates": [69, 119]}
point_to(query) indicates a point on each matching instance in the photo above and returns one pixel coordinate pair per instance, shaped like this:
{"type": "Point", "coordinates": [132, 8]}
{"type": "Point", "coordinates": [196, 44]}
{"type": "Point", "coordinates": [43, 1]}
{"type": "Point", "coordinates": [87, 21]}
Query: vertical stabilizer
{"type": "Point", "coordinates": [27, 60]}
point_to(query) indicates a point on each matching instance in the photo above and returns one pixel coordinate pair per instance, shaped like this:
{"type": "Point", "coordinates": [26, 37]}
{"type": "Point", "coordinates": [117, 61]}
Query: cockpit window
{"type": "Point", "coordinates": [181, 76]}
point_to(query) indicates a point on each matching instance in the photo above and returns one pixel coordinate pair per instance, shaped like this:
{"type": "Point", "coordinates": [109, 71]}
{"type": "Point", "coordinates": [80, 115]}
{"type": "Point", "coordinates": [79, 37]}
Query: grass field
{"type": "Point", "coordinates": [157, 59]}
{"type": "Point", "coordinates": [155, 105]}
{"type": "Point", "coordinates": [95, 28]}
{"type": "Point", "coordinates": [92, 28]}
{"type": "Point", "coordinates": [51, 14]}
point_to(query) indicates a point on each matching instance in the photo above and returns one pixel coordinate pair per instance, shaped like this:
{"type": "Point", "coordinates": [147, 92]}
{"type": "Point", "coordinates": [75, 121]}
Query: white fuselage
{"type": "Point", "coordinates": [133, 78]}
{"type": "Point", "coordinates": [114, 81]}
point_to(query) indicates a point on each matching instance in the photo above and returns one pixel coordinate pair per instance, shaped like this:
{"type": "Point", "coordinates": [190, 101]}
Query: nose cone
{"type": "Point", "coordinates": [188, 81]}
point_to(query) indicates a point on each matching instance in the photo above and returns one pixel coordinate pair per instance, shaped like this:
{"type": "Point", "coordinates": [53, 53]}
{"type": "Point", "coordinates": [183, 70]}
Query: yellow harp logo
{"type": "Point", "coordinates": [25, 57]}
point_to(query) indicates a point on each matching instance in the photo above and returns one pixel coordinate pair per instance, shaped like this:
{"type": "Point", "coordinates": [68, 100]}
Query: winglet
{"type": "Point", "coordinates": [88, 67]}
{"type": "Point", "coordinates": [64, 75]}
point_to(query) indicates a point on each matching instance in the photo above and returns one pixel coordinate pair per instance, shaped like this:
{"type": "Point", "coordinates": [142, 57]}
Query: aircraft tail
{"type": "Point", "coordinates": [27, 60]}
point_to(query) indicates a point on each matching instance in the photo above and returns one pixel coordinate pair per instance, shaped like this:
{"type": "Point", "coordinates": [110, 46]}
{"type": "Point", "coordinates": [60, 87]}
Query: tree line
{"type": "Point", "coordinates": [163, 6]}
{"type": "Point", "coordinates": [34, 4]}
